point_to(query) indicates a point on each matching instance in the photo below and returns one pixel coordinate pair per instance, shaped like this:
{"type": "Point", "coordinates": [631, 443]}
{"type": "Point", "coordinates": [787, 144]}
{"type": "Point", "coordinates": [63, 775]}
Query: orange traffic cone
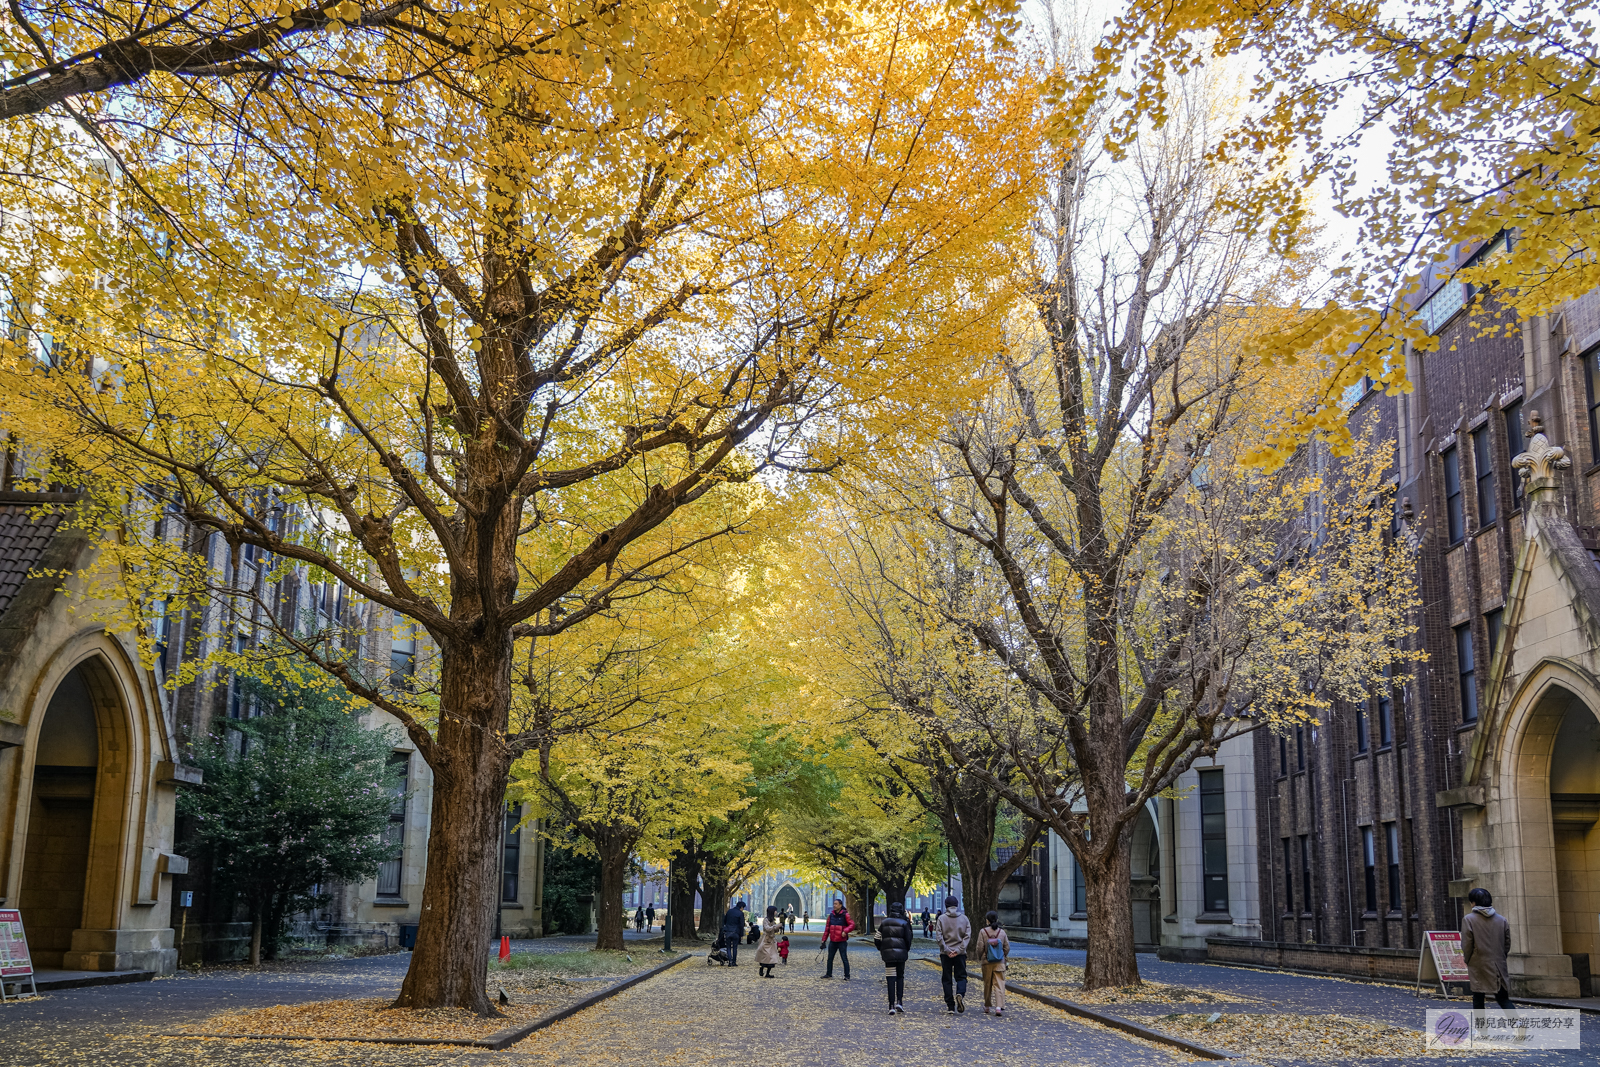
{"type": "Point", "coordinates": [505, 948]}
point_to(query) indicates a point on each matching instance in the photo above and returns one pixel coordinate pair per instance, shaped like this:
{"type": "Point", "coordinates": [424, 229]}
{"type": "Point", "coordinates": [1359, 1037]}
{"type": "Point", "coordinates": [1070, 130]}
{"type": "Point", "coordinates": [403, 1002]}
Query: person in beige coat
{"type": "Point", "coordinates": [1485, 944]}
{"type": "Point", "coordinates": [994, 948]}
{"type": "Point", "coordinates": [767, 951]}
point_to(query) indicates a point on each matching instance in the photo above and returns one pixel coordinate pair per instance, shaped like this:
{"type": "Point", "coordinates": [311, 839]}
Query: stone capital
{"type": "Point", "coordinates": [1539, 464]}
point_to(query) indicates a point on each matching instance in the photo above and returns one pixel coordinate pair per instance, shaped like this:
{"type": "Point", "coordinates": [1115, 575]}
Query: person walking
{"type": "Point", "coordinates": [893, 939]}
{"type": "Point", "coordinates": [767, 952]}
{"type": "Point", "coordinates": [638, 920]}
{"type": "Point", "coordinates": [952, 931]}
{"type": "Point", "coordinates": [805, 919]}
{"type": "Point", "coordinates": [783, 950]}
{"type": "Point", "coordinates": [733, 932]}
{"type": "Point", "coordinates": [836, 935]}
{"type": "Point", "coordinates": [1485, 944]}
{"type": "Point", "coordinates": [927, 923]}
{"type": "Point", "coordinates": [650, 917]}
{"type": "Point", "coordinates": [993, 949]}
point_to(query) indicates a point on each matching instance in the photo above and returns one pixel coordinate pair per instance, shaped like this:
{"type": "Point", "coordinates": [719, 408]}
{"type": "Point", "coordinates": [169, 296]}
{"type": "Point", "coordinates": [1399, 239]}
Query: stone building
{"type": "Point", "coordinates": [1194, 863]}
{"type": "Point", "coordinates": [90, 760]}
{"type": "Point", "coordinates": [1484, 768]}
{"type": "Point", "coordinates": [92, 747]}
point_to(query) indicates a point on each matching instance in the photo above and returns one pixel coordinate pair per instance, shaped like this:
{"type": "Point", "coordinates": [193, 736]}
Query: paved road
{"type": "Point", "coordinates": [691, 1015]}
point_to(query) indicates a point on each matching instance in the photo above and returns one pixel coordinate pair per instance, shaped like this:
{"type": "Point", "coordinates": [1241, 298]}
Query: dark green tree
{"type": "Point", "coordinates": [294, 797]}
{"type": "Point", "coordinates": [569, 887]}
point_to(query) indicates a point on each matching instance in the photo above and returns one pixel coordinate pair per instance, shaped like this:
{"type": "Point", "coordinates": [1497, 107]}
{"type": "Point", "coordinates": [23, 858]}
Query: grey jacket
{"type": "Point", "coordinates": [952, 931]}
{"type": "Point", "coordinates": [1485, 944]}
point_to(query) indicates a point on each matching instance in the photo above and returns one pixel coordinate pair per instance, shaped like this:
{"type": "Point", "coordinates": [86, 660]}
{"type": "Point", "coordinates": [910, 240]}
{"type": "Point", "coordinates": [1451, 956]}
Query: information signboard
{"type": "Point", "coordinates": [15, 963]}
{"type": "Point", "coordinates": [1441, 960]}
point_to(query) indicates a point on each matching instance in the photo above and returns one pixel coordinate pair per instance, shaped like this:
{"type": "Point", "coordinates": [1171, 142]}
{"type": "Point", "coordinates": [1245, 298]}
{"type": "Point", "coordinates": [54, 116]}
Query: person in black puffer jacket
{"type": "Point", "coordinates": [894, 945]}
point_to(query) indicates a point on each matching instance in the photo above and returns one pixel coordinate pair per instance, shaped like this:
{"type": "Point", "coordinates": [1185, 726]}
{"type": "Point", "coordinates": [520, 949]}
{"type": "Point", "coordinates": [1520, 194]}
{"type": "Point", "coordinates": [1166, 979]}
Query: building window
{"type": "Point", "coordinates": [1467, 672]}
{"type": "Point", "coordinates": [1392, 833]}
{"type": "Point", "coordinates": [236, 702]}
{"type": "Point", "coordinates": [1288, 876]}
{"type": "Point", "coordinates": [512, 862]}
{"type": "Point", "coordinates": [403, 657]}
{"type": "Point", "coordinates": [1283, 755]}
{"type": "Point", "coordinates": [1491, 622]}
{"type": "Point", "coordinates": [1361, 726]}
{"type": "Point", "coordinates": [394, 834]}
{"type": "Point", "coordinates": [1386, 709]}
{"type": "Point", "coordinates": [1455, 519]}
{"type": "Point", "coordinates": [1080, 891]}
{"type": "Point", "coordinates": [1305, 873]}
{"type": "Point", "coordinates": [1369, 860]}
{"type": "Point", "coordinates": [1483, 473]}
{"type": "Point", "coordinates": [1591, 364]}
{"type": "Point", "coordinates": [1446, 300]}
{"type": "Point", "coordinates": [1517, 444]}
{"type": "Point", "coordinates": [1214, 840]}
{"type": "Point", "coordinates": [1300, 748]}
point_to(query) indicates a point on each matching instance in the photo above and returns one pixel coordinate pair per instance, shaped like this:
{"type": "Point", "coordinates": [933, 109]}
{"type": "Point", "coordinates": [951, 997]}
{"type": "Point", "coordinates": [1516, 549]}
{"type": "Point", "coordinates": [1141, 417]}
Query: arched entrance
{"type": "Point", "coordinates": [788, 897]}
{"type": "Point", "coordinates": [1575, 821]}
{"type": "Point", "coordinates": [1146, 888]}
{"type": "Point", "coordinates": [60, 820]}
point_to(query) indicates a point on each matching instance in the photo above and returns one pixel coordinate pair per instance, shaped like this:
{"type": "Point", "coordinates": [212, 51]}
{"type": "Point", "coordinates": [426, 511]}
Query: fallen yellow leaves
{"type": "Point", "coordinates": [1066, 981]}
{"type": "Point", "coordinates": [1334, 1038]}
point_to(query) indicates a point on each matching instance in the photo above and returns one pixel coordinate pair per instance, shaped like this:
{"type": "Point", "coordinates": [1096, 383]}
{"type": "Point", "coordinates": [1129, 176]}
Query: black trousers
{"type": "Point", "coordinates": [895, 975]}
{"type": "Point", "coordinates": [733, 948]}
{"type": "Point", "coordinates": [842, 948]}
{"type": "Point", "coordinates": [1501, 998]}
{"type": "Point", "coordinates": [953, 969]}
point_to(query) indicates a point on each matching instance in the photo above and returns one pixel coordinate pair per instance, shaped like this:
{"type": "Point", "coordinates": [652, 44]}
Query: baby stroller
{"type": "Point", "coordinates": [718, 953]}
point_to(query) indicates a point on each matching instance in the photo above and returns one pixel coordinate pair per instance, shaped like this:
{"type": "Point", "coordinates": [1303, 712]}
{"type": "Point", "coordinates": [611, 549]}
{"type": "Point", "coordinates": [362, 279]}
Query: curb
{"type": "Point", "coordinates": [496, 1041]}
{"type": "Point", "coordinates": [1203, 1051]}
{"type": "Point", "coordinates": [90, 979]}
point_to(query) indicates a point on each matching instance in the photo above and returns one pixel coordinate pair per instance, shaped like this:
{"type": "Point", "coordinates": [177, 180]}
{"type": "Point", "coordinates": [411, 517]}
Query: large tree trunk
{"type": "Point", "coordinates": [680, 893]}
{"type": "Point", "coordinates": [713, 896]}
{"type": "Point", "coordinates": [461, 886]}
{"type": "Point", "coordinates": [1108, 879]}
{"type": "Point", "coordinates": [609, 921]}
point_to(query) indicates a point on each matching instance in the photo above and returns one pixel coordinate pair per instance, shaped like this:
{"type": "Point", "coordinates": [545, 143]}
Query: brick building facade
{"type": "Point", "coordinates": [1376, 822]}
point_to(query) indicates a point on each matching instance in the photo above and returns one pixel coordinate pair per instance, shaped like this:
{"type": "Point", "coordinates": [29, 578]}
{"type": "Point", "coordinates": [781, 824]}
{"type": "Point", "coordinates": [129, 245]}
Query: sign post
{"type": "Point", "coordinates": [15, 963]}
{"type": "Point", "coordinates": [1441, 961]}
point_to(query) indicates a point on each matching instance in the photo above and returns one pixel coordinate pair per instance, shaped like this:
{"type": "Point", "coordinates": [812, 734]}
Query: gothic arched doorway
{"type": "Point", "coordinates": [788, 897]}
{"type": "Point", "coordinates": [60, 820]}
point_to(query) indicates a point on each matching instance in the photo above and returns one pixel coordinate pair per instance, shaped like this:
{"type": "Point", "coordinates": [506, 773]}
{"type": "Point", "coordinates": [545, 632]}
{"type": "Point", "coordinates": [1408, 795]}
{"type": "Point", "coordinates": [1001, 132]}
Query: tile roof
{"type": "Point", "coordinates": [25, 532]}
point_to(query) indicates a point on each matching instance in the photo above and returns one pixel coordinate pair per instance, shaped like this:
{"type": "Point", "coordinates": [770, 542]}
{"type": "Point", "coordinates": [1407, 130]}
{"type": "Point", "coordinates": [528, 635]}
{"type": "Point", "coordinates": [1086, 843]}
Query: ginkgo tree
{"type": "Point", "coordinates": [464, 320]}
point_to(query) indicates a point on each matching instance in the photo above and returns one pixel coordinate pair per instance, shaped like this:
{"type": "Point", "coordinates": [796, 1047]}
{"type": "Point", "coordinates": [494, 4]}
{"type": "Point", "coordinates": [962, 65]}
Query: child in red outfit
{"type": "Point", "coordinates": [783, 949]}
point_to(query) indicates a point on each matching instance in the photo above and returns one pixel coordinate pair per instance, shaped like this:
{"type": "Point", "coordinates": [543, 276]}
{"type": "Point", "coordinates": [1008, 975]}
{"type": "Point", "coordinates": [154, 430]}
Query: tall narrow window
{"type": "Point", "coordinates": [1299, 748]}
{"type": "Point", "coordinates": [1455, 518]}
{"type": "Point", "coordinates": [1392, 833]}
{"type": "Point", "coordinates": [1288, 876]}
{"type": "Point", "coordinates": [403, 657]}
{"type": "Point", "coordinates": [1483, 474]}
{"type": "Point", "coordinates": [1283, 755]}
{"type": "Point", "coordinates": [1080, 891]}
{"type": "Point", "coordinates": [1214, 840]}
{"type": "Point", "coordinates": [1491, 623]}
{"type": "Point", "coordinates": [1361, 726]}
{"type": "Point", "coordinates": [1386, 709]}
{"type": "Point", "coordinates": [1517, 444]}
{"type": "Point", "coordinates": [1467, 673]}
{"type": "Point", "coordinates": [1591, 364]}
{"type": "Point", "coordinates": [394, 835]}
{"type": "Point", "coordinates": [1305, 872]}
{"type": "Point", "coordinates": [236, 702]}
{"type": "Point", "coordinates": [1369, 861]}
{"type": "Point", "coordinates": [512, 862]}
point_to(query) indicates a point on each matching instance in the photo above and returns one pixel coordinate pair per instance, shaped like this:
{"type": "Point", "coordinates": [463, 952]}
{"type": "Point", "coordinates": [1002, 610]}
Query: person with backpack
{"type": "Point", "coordinates": [993, 949]}
{"type": "Point", "coordinates": [733, 932]}
{"type": "Point", "coordinates": [638, 920]}
{"type": "Point", "coordinates": [893, 939]}
{"type": "Point", "coordinates": [836, 935]}
{"type": "Point", "coordinates": [952, 931]}
{"type": "Point", "coordinates": [650, 917]}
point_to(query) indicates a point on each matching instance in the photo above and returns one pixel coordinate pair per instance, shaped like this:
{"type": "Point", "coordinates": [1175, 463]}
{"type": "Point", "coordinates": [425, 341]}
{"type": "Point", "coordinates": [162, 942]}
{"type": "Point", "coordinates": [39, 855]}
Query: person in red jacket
{"type": "Point", "coordinates": [836, 934]}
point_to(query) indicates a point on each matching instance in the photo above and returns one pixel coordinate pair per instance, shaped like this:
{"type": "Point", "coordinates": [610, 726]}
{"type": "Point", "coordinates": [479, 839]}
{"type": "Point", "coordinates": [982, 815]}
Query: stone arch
{"type": "Point", "coordinates": [1523, 865]}
{"type": "Point", "coordinates": [788, 896]}
{"type": "Point", "coordinates": [90, 680]}
{"type": "Point", "coordinates": [1145, 855]}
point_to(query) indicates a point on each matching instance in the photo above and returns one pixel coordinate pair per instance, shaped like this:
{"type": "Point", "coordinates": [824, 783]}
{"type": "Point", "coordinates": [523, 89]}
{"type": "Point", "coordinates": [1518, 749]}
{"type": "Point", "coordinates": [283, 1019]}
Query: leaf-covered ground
{"type": "Point", "coordinates": [1066, 981]}
{"type": "Point", "coordinates": [1298, 1038]}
